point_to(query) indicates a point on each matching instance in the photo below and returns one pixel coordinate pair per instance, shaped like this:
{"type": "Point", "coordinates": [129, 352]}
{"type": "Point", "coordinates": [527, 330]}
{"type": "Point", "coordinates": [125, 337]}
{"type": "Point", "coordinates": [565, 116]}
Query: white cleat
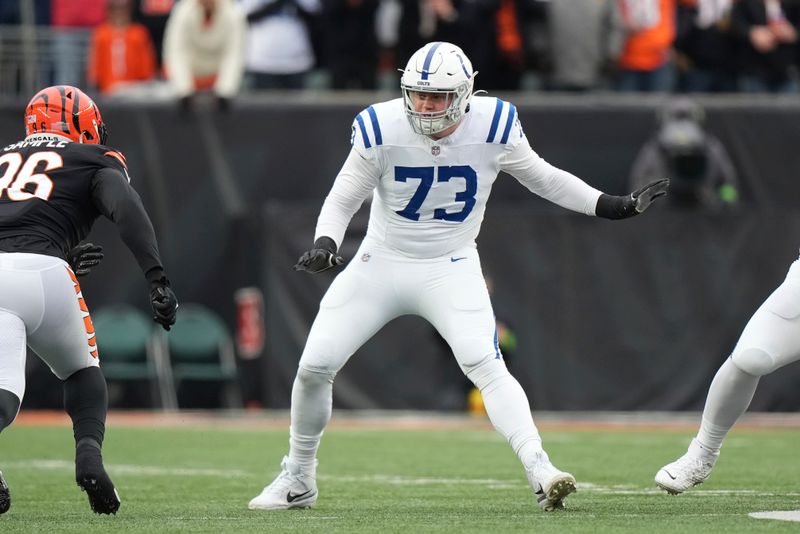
{"type": "Point", "coordinates": [291, 489]}
{"type": "Point", "coordinates": [550, 485]}
{"type": "Point", "coordinates": [689, 470]}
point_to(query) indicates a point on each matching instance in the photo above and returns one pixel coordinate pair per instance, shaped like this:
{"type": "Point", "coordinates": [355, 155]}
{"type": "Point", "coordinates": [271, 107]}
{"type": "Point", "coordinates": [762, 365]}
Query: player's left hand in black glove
{"type": "Point", "coordinates": [622, 207]}
{"type": "Point", "coordinates": [645, 196]}
{"type": "Point", "coordinates": [83, 257]}
{"type": "Point", "coordinates": [164, 303]}
{"type": "Point", "coordinates": [320, 258]}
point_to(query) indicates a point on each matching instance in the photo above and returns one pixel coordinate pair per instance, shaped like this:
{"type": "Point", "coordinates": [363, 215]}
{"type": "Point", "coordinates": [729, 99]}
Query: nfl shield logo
{"type": "Point", "coordinates": [436, 150]}
{"type": "Point", "coordinates": [365, 256]}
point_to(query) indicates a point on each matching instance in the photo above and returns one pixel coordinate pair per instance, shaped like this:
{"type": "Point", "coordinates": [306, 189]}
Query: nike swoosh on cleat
{"type": "Point", "coordinates": [457, 259]}
{"type": "Point", "coordinates": [673, 477]}
{"type": "Point", "coordinates": [290, 497]}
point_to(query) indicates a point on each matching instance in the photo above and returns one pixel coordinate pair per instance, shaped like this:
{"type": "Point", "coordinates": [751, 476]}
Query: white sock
{"type": "Point", "coordinates": [312, 405]}
{"type": "Point", "coordinates": [728, 398]}
{"type": "Point", "coordinates": [508, 409]}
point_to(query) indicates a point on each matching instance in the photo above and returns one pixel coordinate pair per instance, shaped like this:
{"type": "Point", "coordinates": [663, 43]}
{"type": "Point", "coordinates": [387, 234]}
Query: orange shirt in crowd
{"type": "Point", "coordinates": [649, 49]}
{"type": "Point", "coordinates": [120, 54]}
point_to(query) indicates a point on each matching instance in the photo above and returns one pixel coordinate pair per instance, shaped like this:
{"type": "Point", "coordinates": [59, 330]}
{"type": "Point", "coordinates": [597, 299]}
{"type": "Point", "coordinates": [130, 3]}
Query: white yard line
{"type": "Point", "coordinates": [396, 480]}
{"type": "Point", "coordinates": [793, 515]}
{"type": "Point", "coordinates": [145, 470]}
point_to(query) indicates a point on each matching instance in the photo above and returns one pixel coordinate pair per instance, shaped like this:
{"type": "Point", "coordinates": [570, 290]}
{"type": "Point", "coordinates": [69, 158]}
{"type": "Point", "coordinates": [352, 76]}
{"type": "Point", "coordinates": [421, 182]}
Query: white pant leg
{"type": "Point", "coordinates": [21, 308]}
{"type": "Point", "coordinates": [359, 302]}
{"type": "Point", "coordinates": [456, 301]}
{"type": "Point", "coordinates": [44, 293]}
{"type": "Point", "coordinates": [771, 339]}
{"type": "Point", "coordinates": [12, 353]}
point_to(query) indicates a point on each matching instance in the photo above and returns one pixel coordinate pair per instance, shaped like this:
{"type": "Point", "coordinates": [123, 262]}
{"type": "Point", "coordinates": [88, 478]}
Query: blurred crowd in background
{"type": "Point", "coordinates": [176, 48]}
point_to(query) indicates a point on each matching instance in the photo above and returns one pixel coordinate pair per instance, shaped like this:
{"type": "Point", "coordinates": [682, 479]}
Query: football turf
{"type": "Point", "coordinates": [199, 479]}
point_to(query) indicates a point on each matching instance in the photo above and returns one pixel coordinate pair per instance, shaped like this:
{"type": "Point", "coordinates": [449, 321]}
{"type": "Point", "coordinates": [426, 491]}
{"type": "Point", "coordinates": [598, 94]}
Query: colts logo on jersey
{"type": "Point", "coordinates": [436, 150]}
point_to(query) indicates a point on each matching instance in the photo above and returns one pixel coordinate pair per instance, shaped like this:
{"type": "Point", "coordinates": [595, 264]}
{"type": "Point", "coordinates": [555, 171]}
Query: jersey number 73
{"type": "Point", "coordinates": [426, 176]}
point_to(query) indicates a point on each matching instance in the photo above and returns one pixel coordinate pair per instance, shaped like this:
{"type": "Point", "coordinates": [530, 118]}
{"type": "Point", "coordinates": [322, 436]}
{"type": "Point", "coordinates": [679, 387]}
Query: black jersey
{"type": "Point", "coordinates": [52, 190]}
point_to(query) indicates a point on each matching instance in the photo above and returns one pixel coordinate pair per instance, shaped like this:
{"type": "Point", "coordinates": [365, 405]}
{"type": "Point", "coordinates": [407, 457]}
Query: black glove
{"type": "Point", "coordinates": [164, 303]}
{"type": "Point", "coordinates": [646, 195]}
{"type": "Point", "coordinates": [83, 257]}
{"type": "Point", "coordinates": [622, 207]}
{"type": "Point", "coordinates": [320, 258]}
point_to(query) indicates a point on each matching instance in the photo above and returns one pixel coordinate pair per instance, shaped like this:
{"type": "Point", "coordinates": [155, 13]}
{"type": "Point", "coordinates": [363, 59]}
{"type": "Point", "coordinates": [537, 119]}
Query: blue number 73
{"type": "Point", "coordinates": [425, 175]}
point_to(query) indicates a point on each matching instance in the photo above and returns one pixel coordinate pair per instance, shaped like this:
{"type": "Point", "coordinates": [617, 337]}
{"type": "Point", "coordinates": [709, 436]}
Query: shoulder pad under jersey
{"type": "Point", "coordinates": [380, 124]}
{"type": "Point", "coordinates": [497, 119]}
{"type": "Point", "coordinates": [102, 155]}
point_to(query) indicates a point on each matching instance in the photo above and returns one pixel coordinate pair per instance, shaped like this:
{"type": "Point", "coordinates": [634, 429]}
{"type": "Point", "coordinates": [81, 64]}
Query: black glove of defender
{"type": "Point", "coordinates": [83, 257]}
{"type": "Point", "coordinates": [164, 303]}
{"type": "Point", "coordinates": [320, 258]}
{"type": "Point", "coordinates": [622, 207]}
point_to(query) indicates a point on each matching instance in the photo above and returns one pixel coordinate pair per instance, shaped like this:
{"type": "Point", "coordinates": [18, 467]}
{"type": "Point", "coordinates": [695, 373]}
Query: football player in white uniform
{"type": "Point", "coordinates": [769, 341]}
{"type": "Point", "coordinates": [430, 159]}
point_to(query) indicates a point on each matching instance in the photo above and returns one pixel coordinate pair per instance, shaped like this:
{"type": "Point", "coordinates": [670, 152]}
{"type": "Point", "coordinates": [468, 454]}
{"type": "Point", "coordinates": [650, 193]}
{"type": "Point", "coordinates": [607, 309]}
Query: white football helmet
{"type": "Point", "coordinates": [438, 68]}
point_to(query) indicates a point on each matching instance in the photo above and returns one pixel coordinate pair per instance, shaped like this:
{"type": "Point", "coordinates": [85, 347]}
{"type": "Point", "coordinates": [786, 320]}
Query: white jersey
{"type": "Point", "coordinates": [430, 195]}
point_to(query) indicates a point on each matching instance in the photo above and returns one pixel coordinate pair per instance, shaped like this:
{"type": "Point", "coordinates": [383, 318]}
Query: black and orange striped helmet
{"type": "Point", "coordinates": [67, 111]}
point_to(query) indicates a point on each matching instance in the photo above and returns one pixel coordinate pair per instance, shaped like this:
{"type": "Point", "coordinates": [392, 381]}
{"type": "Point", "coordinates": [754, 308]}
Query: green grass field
{"type": "Point", "coordinates": [454, 480]}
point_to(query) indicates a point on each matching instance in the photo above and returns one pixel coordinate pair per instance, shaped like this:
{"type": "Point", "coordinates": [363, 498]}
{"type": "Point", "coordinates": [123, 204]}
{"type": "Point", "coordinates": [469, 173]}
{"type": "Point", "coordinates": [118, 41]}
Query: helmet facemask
{"type": "Point", "coordinates": [428, 123]}
{"type": "Point", "coordinates": [440, 68]}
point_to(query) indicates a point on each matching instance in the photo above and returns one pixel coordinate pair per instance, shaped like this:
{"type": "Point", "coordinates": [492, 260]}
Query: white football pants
{"type": "Point", "coordinates": [41, 304]}
{"type": "Point", "coordinates": [379, 285]}
{"type": "Point", "coordinates": [770, 340]}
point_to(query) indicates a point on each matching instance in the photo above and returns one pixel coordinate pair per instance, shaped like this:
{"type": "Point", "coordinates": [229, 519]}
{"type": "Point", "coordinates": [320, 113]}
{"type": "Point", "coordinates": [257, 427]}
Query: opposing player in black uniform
{"type": "Point", "coordinates": [53, 185]}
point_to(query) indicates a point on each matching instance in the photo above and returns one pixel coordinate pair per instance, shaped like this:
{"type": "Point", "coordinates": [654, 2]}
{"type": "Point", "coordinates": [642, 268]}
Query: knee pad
{"type": "Point", "coordinates": [308, 376]}
{"type": "Point", "coordinates": [472, 352]}
{"type": "Point", "coordinates": [486, 371]}
{"type": "Point", "coordinates": [9, 406]}
{"type": "Point", "coordinates": [753, 361]}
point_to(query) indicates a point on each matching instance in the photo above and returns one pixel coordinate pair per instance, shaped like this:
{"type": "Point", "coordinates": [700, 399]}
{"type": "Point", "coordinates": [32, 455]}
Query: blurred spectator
{"type": "Point", "coordinates": [699, 168]}
{"type": "Point", "coordinates": [706, 55]}
{"type": "Point", "coordinates": [204, 49]}
{"type": "Point", "coordinates": [121, 52]}
{"type": "Point", "coordinates": [423, 21]}
{"type": "Point", "coordinates": [768, 44]}
{"type": "Point", "coordinates": [352, 45]}
{"type": "Point", "coordinates": [506, 62]}
{"type": "Point", "coordinates": [153, 15]}
{"type": "Point", "coordinates": [280, 51]}
{"type": "Point", "coordinates": [10, 12]}
{"type": "Point", "coordinates": [487, 30]}
{"type": "Point", "coordinates": [645, 61]}
{"type": "Point", "coordinates": [72, 21]}
{"type": "Point", "coordinates": [585, 36]}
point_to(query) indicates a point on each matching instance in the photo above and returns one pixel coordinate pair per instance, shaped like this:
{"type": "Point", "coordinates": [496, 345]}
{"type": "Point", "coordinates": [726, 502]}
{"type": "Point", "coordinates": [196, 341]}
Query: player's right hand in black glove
{"type": "Point", "coordinates": [164, 302]}
{"type": "Point", "coordinates": [83, 257]}
{"type": "Point", "coordinates": [320, 258]}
